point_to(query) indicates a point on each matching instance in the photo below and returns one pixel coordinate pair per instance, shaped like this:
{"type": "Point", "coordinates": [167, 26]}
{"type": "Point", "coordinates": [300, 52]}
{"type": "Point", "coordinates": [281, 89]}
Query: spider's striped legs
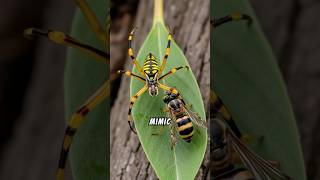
{"type": "Point", "coordinates": [172, 71]}
{"type": "Point", "coordinates": [167, 88]}
{"type": "Point", "coordinates": [131, 53]}
{"type": "Point", "coordinates": [93, 21]}
{"type": "Point", "coordinates": [130, 74]}
{"type": "Point", "coordinates": [75, 122]}
{"type": "Point", "coordinates": [133, 99]}
{"type": "Point", "coordinates": [63, 39]}
{"type": "Point", "coordinates": [166, 55]}
{"type": "Point", "coordinates": [231, 17]}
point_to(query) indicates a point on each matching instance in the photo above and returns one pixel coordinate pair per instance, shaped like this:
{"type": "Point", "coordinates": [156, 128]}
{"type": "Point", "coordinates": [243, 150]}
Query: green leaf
{"type": "Point", "coordinates": [248, 80]}
{"type": "Point", "coordinates": [184, 161]}
{"type": "Point", "coordinates": [89, 157]}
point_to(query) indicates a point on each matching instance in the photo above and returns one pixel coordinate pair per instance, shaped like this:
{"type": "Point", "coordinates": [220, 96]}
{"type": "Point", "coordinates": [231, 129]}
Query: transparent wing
{"type": "Point", "coordinates": [173, 130]}
{"type": "Point", "coordinates": [195, 117]}
{"type": "Point", "coordinates": [259, 167]}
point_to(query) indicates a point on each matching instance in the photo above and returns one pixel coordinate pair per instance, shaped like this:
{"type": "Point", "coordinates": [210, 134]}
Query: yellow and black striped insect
{"type": "Point", "coordinates": [101, 56]}
{"type": "Point", "coordinates": [227, 148]}
{"type": "Point", "coordinates": [150, 74]}
{"type": "Point", "coordinates": [182, 118]}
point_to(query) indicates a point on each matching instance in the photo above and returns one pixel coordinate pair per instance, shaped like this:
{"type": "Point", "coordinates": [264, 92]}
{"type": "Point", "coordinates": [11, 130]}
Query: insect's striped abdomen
{"type": "Point", "coordinates": [150, 65]}
{"type": "Point", "coordinates": [185, 127]}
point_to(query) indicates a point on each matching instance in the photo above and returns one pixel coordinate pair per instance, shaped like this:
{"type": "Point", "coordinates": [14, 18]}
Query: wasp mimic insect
{"type": "Point", "coordinates": [183, 119]}
{"type": "Point", "coordinates": [150, 74]}
{"type": "Point", "coordinates": [101, 56]}
{"type": "Point", "coordinates": [226, 148]}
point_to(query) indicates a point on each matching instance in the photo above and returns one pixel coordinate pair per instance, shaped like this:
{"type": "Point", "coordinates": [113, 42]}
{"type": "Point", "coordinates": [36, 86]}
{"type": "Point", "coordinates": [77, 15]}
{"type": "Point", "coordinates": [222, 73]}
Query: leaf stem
{"type": "Point", "coordinates": [158, 12]}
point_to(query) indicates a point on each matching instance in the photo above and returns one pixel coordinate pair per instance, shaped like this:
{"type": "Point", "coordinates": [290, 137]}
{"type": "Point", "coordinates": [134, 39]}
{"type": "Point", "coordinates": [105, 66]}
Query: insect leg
{"type": "Point", "coordinates": [167, 88]}
{"type": "Point", "coordinates": [132, 101]}
{"type": "Point", "coordinates": [173, 132]}
{"type": "Point", "coordinates": [75, 122]}
{"type": "Point", "coordinates": [160, 131]}
{"type": "Point", "coordinates": [63, 39]}
{"type": "Point", "coordinates": [172, 71]}
{"type": "Point", "coordinates": [131, 53]}
{"type": "Point", "coordinates": [93, 21]}
{"type": "Point", "coordinates": [166, 55]}
{"type": "Point", "coordinates": [231, 17]}
{"type": "Point", "coordinates": [128, 73]}
{"type": "Point", "coordinates": [217, 106]}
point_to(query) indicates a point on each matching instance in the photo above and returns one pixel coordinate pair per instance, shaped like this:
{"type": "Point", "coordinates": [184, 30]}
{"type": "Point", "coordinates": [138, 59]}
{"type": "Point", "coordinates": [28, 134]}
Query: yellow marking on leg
{"type": "Point", "coordinates": [93, 21]}
{"type": "Point", "coordinates": [166, 88]}
{"type": "Point", "coordinates": [167, 53]}
{"type": "Point", "coordinates": [67, 141]}
{"type": "Point", "coordinates": [130, 74]}
{"type": "Point", "coordinates": [77, 119]}
{"type": "Point", "coordinates": [131, 53]}
{"type": "Point", "coordinates": [213, 97]}
{"type": "Point", "coordinates": [225, 113]}
{"type": "Point", "coordinates": [236, 16]}
{"type": "Point", "coordinates": [63, 39]}
{"type": "Point", "coordinates": [223, 110]}
{"type": "Point", "coordinates": [139, 93]}
{"type": "Point", "coordinates": [172, 71]}
{"type": "Point", "coordinates": [132, 101]}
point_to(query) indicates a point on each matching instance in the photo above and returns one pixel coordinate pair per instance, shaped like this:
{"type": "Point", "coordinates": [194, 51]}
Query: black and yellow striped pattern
{"type": "Point", "coordinates": [185, 127]}
{"type": "Point", "coordinates": [217, 107]}
{"type": "Point", "coordinates": [150, 65]}
{"type": "Point", "coordinates": [102, 56]}
{"type": "Point", "coordinates": [131, 52]}
{"type": "Point", "coordinates": [76, 120]}
{"type": "Point", "coordinates": [132, 101]}
{"type": "Point", "coordinates": [230, 18]}
{"type": "Point", "coordinates": [167, 53]}
{"type": "Point", "coordinates": [59, 37]}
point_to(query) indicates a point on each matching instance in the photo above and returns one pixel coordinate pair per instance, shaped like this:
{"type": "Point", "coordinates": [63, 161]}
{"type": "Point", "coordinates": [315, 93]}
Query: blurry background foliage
{"type": "Point", "coordinates": [31, 77]}
{"type": "Point", "coordinates": [247, 78]}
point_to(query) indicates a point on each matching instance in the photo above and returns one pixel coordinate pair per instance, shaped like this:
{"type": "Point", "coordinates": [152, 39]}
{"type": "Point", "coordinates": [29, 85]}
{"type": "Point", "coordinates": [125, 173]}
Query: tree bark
{"type": "Point", "coordinates": [189, 22]}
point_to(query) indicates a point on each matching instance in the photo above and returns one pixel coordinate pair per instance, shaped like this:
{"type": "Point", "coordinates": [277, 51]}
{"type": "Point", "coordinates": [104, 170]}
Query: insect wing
{"type": "Point", "coordinates": [173, 129]}
{"type": "Point", "coordinates": [259, 167]}
{"type": "Point", "coordinates": [195, 117]}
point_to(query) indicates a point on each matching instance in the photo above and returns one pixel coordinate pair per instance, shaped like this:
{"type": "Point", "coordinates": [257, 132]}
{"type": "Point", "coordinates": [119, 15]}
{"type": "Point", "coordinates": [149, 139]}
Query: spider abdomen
{"type": "Point", "coordinates": [150, 65]}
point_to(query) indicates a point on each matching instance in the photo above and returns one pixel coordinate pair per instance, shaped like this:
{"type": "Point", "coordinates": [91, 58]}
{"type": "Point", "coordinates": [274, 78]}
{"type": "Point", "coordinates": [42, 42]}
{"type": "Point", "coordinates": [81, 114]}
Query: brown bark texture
{"type": "Point", "coordinates": [189, 22]}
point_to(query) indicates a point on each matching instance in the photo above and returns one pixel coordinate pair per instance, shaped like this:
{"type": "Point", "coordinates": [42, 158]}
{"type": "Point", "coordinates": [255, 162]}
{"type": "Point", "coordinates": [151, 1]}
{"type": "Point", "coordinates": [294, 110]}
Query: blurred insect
{"type": "Point", "coordinates": [182, 118]}
{"type": "Point", "coordinates": [227, 148]}
{"type": "Point", "coordinates": [151, 74]}
{"type": "Point", "coordinates": [101, 56]}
